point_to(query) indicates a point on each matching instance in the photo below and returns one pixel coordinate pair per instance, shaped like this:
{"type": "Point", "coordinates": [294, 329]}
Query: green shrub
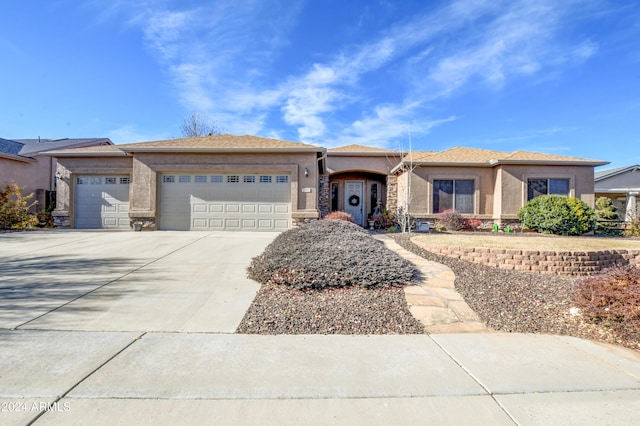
{"type": "Point", "coordinates": [339, 215]}
{"type": "Point", "coordinates": [607, 219]}
{"type": "Point", "coordinates": [556, 214]}
{"type": "Point", "coordinates": [14, 208]}
{"type": "Point", "coordinates": [329, 253]}
{"type": "Point", "coordinates": [451, 220]}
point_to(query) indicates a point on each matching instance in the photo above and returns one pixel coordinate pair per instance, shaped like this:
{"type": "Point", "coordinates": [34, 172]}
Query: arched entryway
{"type": "Point", "coordinates": [358, 193]}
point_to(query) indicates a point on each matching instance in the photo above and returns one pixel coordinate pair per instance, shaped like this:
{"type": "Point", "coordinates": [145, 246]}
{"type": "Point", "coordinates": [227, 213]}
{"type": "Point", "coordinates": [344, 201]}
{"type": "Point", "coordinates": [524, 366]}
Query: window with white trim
{"type": "Point", "coordinates": [110, 180]}
{"type": "Point", "coordinates": [457, 194]}
{"type": "Point", "coordinates": [233, 179]}
{"type": "Point", "coordinates": [265, 179]}
{"type": "Point", "coordinates": [184, 179]}
{"type": "Point", "coordinates": [168, 179]}
{"type": "Point", "coordinates": [217, 179]}
{"type": "Point", "coordinates": [248, 179]}
{"type": "Point", "coordinates": [82, 181]}
{"type": "Point", "coordinates": [282, 179]}
{"type": "Point", "coordinates": [96, 181]}
{"type": "Point", "coordinates": [125, 180]}
{"type": "Point", "coordinates": [537, 187]}
{"type": "Point", "coordinates": [201, 179]}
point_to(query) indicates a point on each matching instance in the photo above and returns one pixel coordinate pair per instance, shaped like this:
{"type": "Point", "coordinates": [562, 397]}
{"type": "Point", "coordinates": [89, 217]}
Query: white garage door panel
{"type": "Point", "coordinates": [250, 202]}
{"type": "Point", "coordinates": [102, 202]}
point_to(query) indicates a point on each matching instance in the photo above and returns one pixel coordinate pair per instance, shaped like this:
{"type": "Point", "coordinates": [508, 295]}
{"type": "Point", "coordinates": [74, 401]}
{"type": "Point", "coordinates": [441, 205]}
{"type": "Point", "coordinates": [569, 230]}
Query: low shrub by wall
{"type": "Point", "coordinates": [555, 262]}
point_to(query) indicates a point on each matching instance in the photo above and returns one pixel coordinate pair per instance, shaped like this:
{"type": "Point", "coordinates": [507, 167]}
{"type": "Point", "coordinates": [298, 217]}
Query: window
{"type": "Point", "coordinates": [334, 197]}
{"type": "Point", "coordinates": [110, 180]}
{"type": "Point", "coordinates": [248, 179]}
{"type": "Point", "coordinates": [374, 197]}
{"type": "Point", "coordinates": [96, 181]}
{"type": "Point", "coordinates": [537, 187]}
{"type": "Point", "coordinates": [168, 179]}
{"type": "Point", "coordinates": [125, 180]}
{"type": "Point", "coordinates": [233, 179]}
{"type": "Point", "coordinates": [201, 179]}
{"type": "Point", "coordinates": [184, 179]}
{"type": "Point", "coordinates": [217, 179]}
{"type": "Point", "coordinates": [265, 179]}
{"type": "Point", "coordinates": [82, 181]}
{"type": "Point", "coordinates": [282, 179]}
{"type": "Point", "coordinates": [455, 194]}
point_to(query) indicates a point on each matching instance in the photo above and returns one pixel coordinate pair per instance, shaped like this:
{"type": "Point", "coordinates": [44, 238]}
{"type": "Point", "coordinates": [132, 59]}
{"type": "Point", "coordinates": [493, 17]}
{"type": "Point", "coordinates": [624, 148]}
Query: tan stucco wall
{"type": "Point", "coordinates": [422, 188]}
{"type": "Point", "coordinates": [33, 176]}
{"type": "Point", "coordinates": [514, 185]}
{"type": "Point", "coordinates": [70, 167]}
{"type": "Point", "coordinates": [146, 167]}
{"type": "Point", "coordinates": [382, 165]}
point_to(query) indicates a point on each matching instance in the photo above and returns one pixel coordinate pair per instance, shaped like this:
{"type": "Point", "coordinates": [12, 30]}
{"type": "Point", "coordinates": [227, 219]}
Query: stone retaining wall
{"type": "Point", "coordinates": [555, 262]}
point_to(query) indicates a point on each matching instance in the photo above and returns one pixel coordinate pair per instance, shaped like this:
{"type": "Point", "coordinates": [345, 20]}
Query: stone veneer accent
{"type": "Point", "coordinates": [554, 262]}
{"type": "Point", "coordinates": [324, 203]}
{"type": "Point", "coordinates": [392, 194]}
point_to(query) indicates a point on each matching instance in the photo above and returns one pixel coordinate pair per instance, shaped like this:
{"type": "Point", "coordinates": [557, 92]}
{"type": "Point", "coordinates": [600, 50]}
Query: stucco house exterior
{"type": "Point", "coordinates": [221, 182]}
{"type": "Point", "coordinates": [228, 182]}
{"type": "Point", "coordinates": [622, 186]}
{"type": "Point", "coordinates": [22, 161]}
{"type": "Point", "coordinates": [488, 185]}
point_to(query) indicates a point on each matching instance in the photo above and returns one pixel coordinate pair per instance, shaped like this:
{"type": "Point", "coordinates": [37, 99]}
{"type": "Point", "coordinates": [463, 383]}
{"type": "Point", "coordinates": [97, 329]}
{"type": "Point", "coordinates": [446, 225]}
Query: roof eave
{"type": "Point", "coordinates": [223, 150]}
{"type": "Point", "coordinates": [363, 154]}
{"type": "Point", "coordinates": [17, 158]}
{"type": "Point", "coordinates": [62, 154]}
{"type": "Point", "coordinates": [593, 163]}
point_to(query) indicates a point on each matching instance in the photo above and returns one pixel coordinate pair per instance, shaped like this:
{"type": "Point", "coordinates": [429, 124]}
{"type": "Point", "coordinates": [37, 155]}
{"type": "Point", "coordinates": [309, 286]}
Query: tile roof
{"type": "Point", "coordinates": [360, 149]}
{"type": "Point", "coordinates": [220, 143]}
{"type": "Point", "coordinates": [484, 157]}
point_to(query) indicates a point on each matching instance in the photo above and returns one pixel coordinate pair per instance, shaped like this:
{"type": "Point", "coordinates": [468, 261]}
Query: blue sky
{"type": "Point", "coordinates": [561, 77]}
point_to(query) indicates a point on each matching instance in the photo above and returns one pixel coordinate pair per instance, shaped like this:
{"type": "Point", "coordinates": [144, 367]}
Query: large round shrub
{"type": "Point", "coordinates": [556, 214]}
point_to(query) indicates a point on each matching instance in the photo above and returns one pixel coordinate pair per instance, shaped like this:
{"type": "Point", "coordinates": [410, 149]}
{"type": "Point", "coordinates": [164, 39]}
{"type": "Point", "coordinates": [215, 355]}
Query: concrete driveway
{"type": "Point", "coordinates": [127, 281]}
{"type": "Point", "coordinates": [102, 328]}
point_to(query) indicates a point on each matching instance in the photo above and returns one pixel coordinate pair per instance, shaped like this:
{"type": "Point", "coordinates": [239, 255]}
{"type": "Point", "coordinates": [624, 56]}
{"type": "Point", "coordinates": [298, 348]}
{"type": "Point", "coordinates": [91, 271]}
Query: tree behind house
{"type": "Point", "coordinates": [195, 124]}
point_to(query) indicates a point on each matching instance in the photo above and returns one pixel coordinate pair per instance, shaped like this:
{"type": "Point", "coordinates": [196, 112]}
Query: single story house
{"type": "Point", "coordinates": [622, 186]}
{"type": "Point", "coordinates": [488, 185]}
{"type": "Point", "coordinates": [227, 182]}
{"type": "Point", "coordinates": [21, 161]}
{"type": "Point", "coordinates": [220, 182]}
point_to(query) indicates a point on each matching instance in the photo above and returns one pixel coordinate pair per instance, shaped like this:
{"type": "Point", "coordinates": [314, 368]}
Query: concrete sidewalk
{"type": "Point", "coordinates": [133, 328]}
{"type": "Point", "coordinates": [192, 378]}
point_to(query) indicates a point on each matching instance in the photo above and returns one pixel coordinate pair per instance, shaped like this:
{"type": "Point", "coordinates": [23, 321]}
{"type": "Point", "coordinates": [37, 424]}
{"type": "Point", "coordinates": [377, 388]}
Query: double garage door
{"type": "Point", "coordinates": [102, 202]}
{"type": "Point", "coordinates": [240, 202]}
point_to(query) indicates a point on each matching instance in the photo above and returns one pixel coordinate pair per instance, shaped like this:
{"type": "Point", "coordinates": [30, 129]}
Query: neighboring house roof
{"type": "Point", "coordinates": [11, 149]}
{"type": "Point", "coordinates": [88, 151]}
{"type": "Point", "coordinates": [460, 156]}
{"type": "Point", "coordinates": [603, 174]}
{"type": "Point", "coordinates": [36, 146]}
{"type": "Point", "coordinates": [361, 150]}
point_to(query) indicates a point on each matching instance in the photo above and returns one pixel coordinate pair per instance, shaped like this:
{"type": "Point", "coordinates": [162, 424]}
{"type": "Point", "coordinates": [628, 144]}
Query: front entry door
{"type": "Point", "coordinates": [354, 200]}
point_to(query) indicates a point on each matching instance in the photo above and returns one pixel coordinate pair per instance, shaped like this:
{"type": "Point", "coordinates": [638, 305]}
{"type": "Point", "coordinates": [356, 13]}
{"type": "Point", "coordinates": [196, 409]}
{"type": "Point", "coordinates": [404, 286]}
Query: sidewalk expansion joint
{"type": "Point", "coordinates": [91, 373]}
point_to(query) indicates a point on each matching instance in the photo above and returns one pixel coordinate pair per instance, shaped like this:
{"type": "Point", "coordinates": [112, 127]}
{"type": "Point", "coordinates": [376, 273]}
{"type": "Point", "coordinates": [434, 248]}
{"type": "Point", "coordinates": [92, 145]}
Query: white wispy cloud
{"type": "Point", "coordinates": [220, 56]}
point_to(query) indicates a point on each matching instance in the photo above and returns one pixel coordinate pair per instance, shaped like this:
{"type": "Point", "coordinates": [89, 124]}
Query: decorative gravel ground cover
{"type": "Point", "coordinates": [329, 277]}
{"type": "Point", "coordinates": [525, 302]}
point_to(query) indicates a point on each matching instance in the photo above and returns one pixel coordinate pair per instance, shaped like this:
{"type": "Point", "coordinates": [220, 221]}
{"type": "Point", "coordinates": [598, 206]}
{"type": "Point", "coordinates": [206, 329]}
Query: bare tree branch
{"type": "Point", "coordinates": [195, 124]}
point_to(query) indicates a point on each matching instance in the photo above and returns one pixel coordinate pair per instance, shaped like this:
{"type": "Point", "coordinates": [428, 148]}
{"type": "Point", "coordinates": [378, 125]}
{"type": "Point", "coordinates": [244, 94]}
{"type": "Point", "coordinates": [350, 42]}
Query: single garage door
{"type": "Point", "coordinates": [225, 202]}
{"type": "Point", "coordinates": [102, 202]}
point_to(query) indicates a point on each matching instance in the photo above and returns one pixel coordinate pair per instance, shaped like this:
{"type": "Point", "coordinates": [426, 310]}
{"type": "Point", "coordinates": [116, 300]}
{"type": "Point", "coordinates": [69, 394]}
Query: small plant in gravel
{"type": "Point", "coordinates": [451, 220]}
{"type": "Point", "coordinates": [330, 253]}
{"type": "Point", "coordinates": [339, 215]}
{"type": "Point", "coordinates": [472, 224]}
{"type": "Point", "coordinates": [633, 228]}
{"type": "Point", "coordinates": [612, 298]}
{"type": "Point", "coordinates": [556, 214]}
